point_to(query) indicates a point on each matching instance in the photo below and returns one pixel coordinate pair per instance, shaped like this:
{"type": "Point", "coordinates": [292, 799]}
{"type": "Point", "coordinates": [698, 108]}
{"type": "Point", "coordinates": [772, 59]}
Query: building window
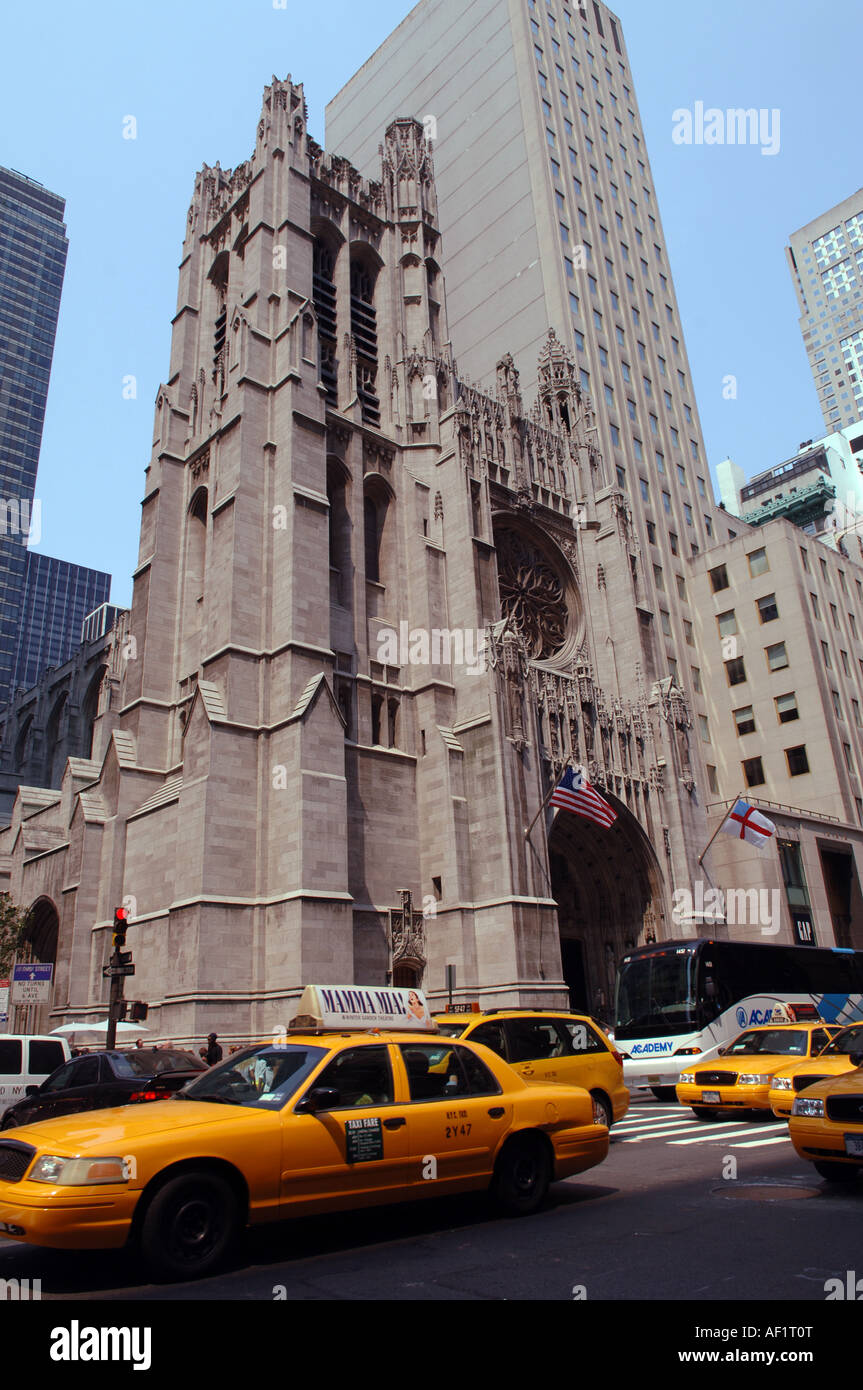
{"type": "Point", "coordinates": [767, 610]}
{"type": "Point", "coordinates": [757, 563]}
{"type": "Point", "coordinates": [688, 634]}
{"type": "Point", "coordinates": [711, 780]}
{"type": "Point", "coordinates": [786, 708]}
{"type": "Point", "coordinates": [798, 763]}
{"type": "Point", "coordinates": [704, 728]}
{"type": "Point", "coordinates": [735, 671]}
{"type": "Point", "coordinates": [815, 606]}
{"type": "Point", "coordinates": [745, 720]}
{"type": "Point", "coordinates": [753, 772]}
{"type": "Point", "coordinates": [805, 557]}
{"type": "Point", "coordinates": [837, 704]}
{"type": "Point", "coordinates": [825, 652]}
{"type": "Point", "coordinates": [777, 658]}
{"type": "Point", "coordinates": [658, 577]}
{"type": "Point", "coordinates": [665, 622]}
{"type": "Point", "coordinates": [696, 679]}
{"type": "Point", "coordinates": [651, 533]}
{"type": "Point", "coordinates": [718, 578]}
{"type": "Point", "coordinates": [672, 540]}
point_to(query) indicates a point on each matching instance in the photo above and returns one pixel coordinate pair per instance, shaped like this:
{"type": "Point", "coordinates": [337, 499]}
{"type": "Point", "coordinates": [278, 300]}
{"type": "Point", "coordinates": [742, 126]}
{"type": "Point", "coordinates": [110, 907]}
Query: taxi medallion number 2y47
{"type": "Point", "coordinates": [456, 1130]}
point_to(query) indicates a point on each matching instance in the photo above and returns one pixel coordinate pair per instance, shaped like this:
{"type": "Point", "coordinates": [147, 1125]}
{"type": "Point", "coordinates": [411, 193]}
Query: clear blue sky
{"type": "Point", "coordinates": [192, 74]}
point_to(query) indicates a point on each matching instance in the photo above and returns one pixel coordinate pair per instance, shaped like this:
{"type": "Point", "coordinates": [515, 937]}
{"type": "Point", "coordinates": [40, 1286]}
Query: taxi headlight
{"type": "Point", "coordinates": [783, 1083]}
{"type": "Point", "coordinates": [687, 1076]}
{"type": "Point", "coordinates": [812, 1107]}
{"type": "Point", "coordinates": [753, 1078]}
{"type": "Point", "coordinates": [79, 1172]}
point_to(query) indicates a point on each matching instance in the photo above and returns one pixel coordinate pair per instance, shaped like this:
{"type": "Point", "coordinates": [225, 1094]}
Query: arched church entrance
{"type": "Point", "coordinates": [40, 944]}
{"type": "Point", "coordinates": [607, 885]}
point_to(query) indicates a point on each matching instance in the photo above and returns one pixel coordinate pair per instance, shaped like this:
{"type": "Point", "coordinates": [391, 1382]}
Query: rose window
{"type": "Point", "coordinates": [532, 595]}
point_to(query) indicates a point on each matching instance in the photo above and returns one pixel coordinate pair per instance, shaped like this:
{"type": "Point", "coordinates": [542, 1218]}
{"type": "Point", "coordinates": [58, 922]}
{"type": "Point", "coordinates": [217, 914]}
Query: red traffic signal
{"type": "Point", "coordinates": [121, 923]}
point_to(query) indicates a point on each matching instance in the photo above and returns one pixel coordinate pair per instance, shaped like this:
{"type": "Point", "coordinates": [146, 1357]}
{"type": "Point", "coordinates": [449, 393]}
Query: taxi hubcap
{"type": "Point", "coordinates": [525, 1174]}
{"type": "Point", "coordinates": [195, 1228]}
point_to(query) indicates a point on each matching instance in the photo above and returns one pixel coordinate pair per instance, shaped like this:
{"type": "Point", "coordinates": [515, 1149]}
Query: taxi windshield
{"type": "Point", "coordinates": [778, 1041]}
{"type": "Point", "coordinates": [262, 1078]}
{"type": "Point", "coordinates": [849, 1040]}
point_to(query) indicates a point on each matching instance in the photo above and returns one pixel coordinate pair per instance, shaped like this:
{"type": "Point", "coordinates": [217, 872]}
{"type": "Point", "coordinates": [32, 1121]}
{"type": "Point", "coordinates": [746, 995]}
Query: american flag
{"type": "Point", "coordinates": [574, 793]}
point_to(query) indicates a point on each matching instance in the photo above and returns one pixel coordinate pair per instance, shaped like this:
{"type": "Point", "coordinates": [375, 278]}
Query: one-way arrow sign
{"type": "Point", "coordinates": [109, 970]}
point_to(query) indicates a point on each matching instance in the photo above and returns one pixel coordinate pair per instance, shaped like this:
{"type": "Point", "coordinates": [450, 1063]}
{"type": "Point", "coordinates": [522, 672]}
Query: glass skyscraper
{"type": "Point", "coordinates": [826, 262]}
{"type": "Point", "coordinates": [33, 248]}
{"type": "Point", "coordinates": [57, 597]}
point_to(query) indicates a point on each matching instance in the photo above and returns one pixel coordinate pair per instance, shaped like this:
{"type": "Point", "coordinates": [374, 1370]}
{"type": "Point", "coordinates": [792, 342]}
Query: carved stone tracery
{"type": "Point", "coordinates": [532, 595]}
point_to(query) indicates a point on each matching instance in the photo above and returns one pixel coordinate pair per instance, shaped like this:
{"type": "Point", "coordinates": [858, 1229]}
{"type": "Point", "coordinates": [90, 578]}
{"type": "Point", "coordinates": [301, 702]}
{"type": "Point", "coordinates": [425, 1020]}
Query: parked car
{"type": "Point", "coordinates": [27, 1061]}
{"type": "Point", "coordinates": [100, 1080]}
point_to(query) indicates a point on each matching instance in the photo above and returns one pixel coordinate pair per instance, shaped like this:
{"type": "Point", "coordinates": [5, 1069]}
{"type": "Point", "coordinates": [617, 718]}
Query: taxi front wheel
{"type": "Point", "coordinates": [190, 1225]}
{"type": "Point", "coordinates": [522, 1175]}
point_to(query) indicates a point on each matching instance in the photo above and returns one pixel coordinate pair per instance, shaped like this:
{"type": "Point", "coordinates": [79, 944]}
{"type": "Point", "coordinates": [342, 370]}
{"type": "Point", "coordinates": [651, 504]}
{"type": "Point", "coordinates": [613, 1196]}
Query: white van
{"type": "Point", "coordinates": [27, 1061]}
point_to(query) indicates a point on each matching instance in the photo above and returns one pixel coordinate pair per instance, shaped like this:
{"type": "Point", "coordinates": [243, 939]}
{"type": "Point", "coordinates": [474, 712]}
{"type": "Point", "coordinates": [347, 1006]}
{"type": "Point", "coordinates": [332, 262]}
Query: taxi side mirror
{"type": "Point", "coordinates": [32, 1090]}
{"type": "Point", "coordinates": [318, 1098]}
{"type": "Point", "coordinates": [856, 1059]}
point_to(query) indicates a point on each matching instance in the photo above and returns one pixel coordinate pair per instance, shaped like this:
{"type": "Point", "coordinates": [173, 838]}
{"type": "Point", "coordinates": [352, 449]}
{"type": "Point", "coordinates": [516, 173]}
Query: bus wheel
{"type": "Point", "coordinates": [701, 1112]}
{"type": "Point", "coordinates": [664, 1092]}
{"type": "Point", "coordinates": [837, 1172]}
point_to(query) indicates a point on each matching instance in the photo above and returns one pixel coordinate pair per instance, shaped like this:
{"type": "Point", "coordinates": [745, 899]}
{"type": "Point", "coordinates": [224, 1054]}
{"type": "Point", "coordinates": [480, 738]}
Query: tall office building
{"type": "Point", "coordinates": [33, 250]}
{"type": "Point", "coordinates": [826, 262]}
{"type": "Point", "coordinates": [549, 218]}
{"type": "Point", "coordinates": [56, 599]}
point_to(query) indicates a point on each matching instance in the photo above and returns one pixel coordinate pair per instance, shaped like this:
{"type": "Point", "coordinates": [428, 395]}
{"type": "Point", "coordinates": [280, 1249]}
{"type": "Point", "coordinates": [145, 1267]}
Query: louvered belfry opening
{"type": "Point", "coordinates": [365, 333]}
{"type": "Point", "coordinates": [324, 295]}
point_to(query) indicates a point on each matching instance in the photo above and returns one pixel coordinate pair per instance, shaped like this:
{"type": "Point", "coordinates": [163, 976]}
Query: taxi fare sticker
{"type": "Point", "coordinates": [364, 1140]}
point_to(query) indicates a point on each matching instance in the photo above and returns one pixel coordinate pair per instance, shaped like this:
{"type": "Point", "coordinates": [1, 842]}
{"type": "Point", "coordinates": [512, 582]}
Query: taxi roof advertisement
{"type": "Point", "coordinates": [355, 1006]}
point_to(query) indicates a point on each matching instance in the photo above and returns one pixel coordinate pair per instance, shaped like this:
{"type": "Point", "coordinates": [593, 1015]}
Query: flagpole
{"type": "Point", "coordinates": [718, 828]}
{"type": "Point", "coordinates": [550, 793]}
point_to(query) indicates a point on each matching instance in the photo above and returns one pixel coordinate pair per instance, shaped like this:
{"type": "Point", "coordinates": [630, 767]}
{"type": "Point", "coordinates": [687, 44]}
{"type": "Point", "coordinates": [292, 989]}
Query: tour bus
{"type": "Point", "coordinates": [678, 1002]}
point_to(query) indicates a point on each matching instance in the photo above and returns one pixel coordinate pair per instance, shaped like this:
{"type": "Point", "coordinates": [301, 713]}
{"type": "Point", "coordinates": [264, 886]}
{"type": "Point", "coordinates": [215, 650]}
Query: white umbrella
{"type": "Point", "coordinates": [98, 1028]}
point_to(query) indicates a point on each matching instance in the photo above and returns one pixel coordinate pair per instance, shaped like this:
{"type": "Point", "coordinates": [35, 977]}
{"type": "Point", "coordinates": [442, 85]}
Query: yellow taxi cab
{"type": "Point", "coordinates": [741, 1080]}
{"type": "Point", "coordinates": [799, 1076]}
{"type": "Point", "coordinates": [350, 1107]}
{"type": "Point", "coordinates": [826, 1125]}
{"type": "Point", "coordinates": [550, 1045]}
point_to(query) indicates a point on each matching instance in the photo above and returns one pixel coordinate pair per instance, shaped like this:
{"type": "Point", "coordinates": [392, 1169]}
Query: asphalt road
{"type": "Point", "coordinates": [680, 1210]}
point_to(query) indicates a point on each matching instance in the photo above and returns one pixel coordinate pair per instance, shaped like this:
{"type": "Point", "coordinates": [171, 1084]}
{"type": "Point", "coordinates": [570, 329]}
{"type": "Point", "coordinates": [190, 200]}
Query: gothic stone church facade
{"type": "Point", "coordinates": [376, 611]}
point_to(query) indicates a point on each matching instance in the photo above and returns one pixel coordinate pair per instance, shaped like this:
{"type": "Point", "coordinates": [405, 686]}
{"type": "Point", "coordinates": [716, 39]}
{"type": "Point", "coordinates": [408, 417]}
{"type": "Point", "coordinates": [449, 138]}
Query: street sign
{"type": "Point", "coordinates": [31, 984]}
{"type": "Point", "coordinates": [4, 1003]}
{"type": "Point", "coordinates": [124, 957]}
{"type": "Point", "coordinates": [111, 970]}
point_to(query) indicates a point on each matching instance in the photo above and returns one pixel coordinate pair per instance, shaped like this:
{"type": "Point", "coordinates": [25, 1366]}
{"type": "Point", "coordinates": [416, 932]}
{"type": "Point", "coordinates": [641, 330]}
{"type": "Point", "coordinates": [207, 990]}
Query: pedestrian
{"type": "Point", "coordinates": [138, 1043]}
{"type": "Point", "coordinates": [213, 1052]}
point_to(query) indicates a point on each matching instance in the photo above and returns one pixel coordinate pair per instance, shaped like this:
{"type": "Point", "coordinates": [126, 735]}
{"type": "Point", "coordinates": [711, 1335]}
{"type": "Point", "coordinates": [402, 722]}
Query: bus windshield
{"type": "Point", "coordinates": [656, 994]}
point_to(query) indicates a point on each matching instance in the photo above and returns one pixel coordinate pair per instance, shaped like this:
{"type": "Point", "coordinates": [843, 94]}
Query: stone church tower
{"type": "Point", "coordinates": [376, 612]}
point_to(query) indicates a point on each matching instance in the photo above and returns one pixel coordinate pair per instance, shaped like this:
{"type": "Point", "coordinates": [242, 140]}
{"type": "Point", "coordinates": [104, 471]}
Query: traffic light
{"type": "Point", "coordinates": [121, 926]}
{"type": "Point", "coordinates": [138, 1011]}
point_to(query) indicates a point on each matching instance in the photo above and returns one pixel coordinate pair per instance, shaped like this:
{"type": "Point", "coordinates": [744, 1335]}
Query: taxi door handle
{"type": "Point", "coordinates": [496, 1111]}
{"type": "Point", "coordinates": [395, 1123]}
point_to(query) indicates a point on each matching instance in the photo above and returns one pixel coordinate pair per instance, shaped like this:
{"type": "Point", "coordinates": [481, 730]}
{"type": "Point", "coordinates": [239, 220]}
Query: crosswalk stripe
{"type": "Point", "coordinates": [705, 1138]}
{"type": "Point", "coordinates": [646, 1124]}
{"type": "Point", "coordinates": [656, 1129]}
{"type": "Point", "coordinates": [758, 1143]}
